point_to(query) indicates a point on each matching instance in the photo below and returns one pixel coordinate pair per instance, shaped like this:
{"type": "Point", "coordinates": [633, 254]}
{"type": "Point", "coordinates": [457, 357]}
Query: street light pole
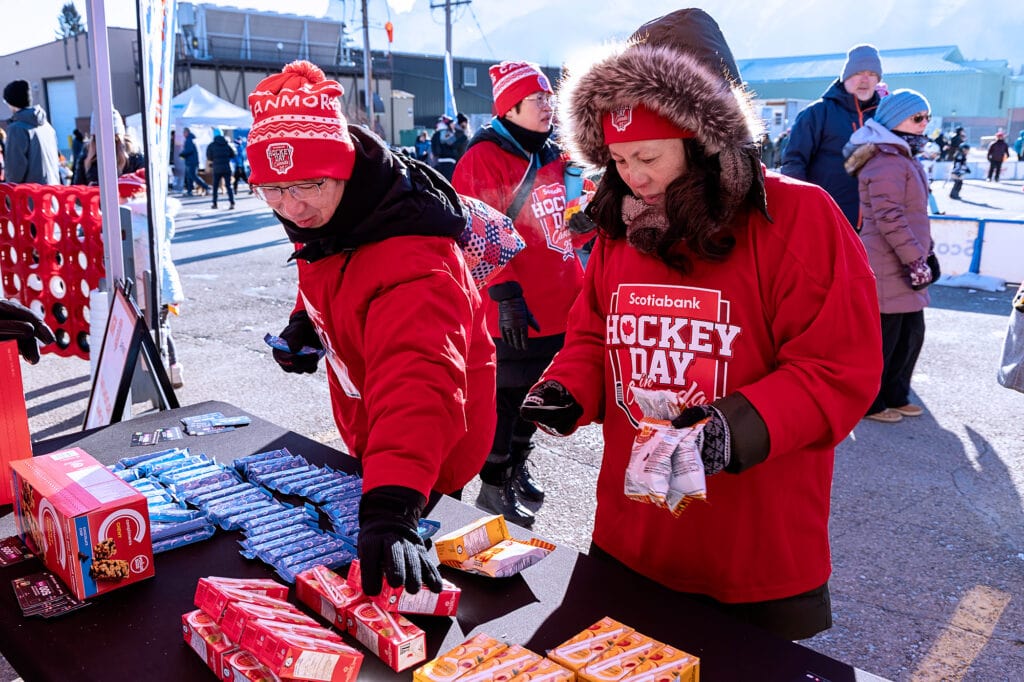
{"type": "Point", "coordinates": [367, 68]}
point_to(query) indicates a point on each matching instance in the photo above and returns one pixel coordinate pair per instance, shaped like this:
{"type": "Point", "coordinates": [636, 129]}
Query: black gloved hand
{"type": "Point", "coordinates": [550, 404]}
{"type": "Point", "coordinates": [299, 332]}
{"type": "Point", "coordinates": [580, 223]}
{"type": "Point", "coordinates": [389, 546]}
{"type": "Point", "coordinates": [716, 440]}
{"type": "Point", "coordinates": [513, 315]}
{"type": "Point", "coordinates": [18, 323]}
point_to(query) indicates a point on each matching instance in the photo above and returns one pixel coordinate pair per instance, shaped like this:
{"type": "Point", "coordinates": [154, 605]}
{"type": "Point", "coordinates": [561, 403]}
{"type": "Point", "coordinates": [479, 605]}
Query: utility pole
{"type": "Point", "coordinates": [367, 68]}
{"type": "Point", "coordinates": [448, 76]}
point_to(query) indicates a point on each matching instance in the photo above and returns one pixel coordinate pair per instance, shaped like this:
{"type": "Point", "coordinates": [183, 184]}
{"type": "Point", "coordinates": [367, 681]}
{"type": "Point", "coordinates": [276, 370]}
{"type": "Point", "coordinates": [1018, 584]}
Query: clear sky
{"type": "Point", "coordinates": [548, 31]}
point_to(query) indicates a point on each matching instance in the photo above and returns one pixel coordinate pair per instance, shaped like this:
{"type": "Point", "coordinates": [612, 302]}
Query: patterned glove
{"type": "Point", "coordinates": [298, 334]}
{"type": "Point", "coordinates": [18, 323]}
{"type": "Point", "coordinates": [551, 405]}
{"type": "Point", "coordinates": [920, 273]}
{"type": "Point", "coordinates": [716, 441]}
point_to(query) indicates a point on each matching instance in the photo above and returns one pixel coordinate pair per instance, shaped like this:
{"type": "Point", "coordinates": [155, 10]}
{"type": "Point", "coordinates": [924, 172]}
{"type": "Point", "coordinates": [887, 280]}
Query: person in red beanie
{"type": "Point", "coordinates": [733, 303]}
{"type": "Point", "coordinates": [513, 164]}
{"type": "Point", "coordinates": [385, 294]}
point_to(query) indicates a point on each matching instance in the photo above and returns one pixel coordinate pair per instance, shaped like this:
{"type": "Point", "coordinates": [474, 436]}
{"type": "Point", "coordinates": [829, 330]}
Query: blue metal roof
{"type": "Point", "coordinates": [915, 60]}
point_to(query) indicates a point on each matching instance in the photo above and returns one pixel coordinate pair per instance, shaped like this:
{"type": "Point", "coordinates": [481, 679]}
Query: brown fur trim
{"type": "Point", "coordinates": [672, 83]}
{"type": "Point", "coordinates": [860, 156]}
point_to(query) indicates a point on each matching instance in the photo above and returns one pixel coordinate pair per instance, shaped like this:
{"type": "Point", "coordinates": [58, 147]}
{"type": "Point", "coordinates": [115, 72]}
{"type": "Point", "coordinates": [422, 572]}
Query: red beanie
{"type": "Point", "coordinates": [298, 130]}
{"type": "Point", "coordinates": [631, 124]}
{"type": "Point", "coordinates": [512, 81]}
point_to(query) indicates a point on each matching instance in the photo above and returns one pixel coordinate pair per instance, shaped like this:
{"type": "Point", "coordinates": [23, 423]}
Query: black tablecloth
{"type": "Point", "coordinates": [134, 633]}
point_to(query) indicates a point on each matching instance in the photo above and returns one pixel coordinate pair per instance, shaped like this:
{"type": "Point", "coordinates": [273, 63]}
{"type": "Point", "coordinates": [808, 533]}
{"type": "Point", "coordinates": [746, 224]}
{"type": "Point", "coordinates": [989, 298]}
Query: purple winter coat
{"type": "Point", "coordinates": [896, 228]}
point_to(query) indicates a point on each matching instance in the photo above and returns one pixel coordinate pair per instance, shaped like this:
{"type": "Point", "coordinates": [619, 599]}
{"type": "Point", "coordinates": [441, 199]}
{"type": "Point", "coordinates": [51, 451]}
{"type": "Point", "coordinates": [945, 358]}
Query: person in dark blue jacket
{"type": "Point", "coordinates": [221, 155]}
{"type": "Point", "coordinates": [815, 149]}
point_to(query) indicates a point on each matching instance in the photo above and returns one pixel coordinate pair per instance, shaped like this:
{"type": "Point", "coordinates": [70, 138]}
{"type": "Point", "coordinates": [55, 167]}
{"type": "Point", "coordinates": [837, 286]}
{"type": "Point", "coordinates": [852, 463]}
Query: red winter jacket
{"type": "Point", "coordinates": [548, 269]}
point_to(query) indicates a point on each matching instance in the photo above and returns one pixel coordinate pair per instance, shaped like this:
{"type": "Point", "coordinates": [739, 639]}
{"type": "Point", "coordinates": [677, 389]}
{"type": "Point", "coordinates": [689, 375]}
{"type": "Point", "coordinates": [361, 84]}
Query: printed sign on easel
{"type": "Point", "coordinates": [126, 339]}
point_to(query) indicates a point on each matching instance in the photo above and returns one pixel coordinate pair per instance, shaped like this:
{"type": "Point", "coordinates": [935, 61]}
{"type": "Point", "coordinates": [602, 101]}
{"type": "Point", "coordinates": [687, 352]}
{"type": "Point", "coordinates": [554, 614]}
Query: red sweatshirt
{"type": "Point", "coordinates": [790, 320]}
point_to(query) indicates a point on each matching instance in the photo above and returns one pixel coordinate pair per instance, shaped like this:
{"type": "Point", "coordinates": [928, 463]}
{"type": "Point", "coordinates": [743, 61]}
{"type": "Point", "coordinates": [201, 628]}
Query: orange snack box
{"type": "Point", "coordinates": [502, 666]}
{"type": "Point", "coordinates": [667, 664]}
{"type": "Point", "coordinates": [625, 654]}
{"type": "Point", "coordinates": [466, 656]}
{"type": "Point", "coordinates": [206, 638]}
{"type": "Point", "coordinates": [587, 645]}
{"type": "Point", "coordinates": [545, 670]}
{"type": "Point", "coordinates": [459, 545]}
{"type": "Point", "coordinates": [327, 593]}
{"type": "Point", "coordinates": [390, 636]}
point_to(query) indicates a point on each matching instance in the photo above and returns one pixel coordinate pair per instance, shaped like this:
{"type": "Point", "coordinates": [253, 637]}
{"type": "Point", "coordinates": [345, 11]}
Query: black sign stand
{"type": "Point", "coordinates": [125, 338]}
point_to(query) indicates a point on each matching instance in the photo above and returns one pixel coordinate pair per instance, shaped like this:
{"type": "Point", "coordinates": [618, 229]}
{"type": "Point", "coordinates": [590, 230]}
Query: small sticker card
{"type": "Point", "coordinates": [168, 433]}
{"type": "Point", "coordinates": [206, 430]}
{"type": "Point", "coordinates": [13, 551]}
{"type": "Point", "coordinates": [143, 438]}
{"type": "Point", "coordinates": [43, 594]}
{"type": "Point", "coordinates": [241, 420]}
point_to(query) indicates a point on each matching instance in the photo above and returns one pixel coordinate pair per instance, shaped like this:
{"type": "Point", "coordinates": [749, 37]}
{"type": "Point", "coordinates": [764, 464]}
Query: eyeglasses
{"type": "Point", "coordinates": [303, 191]}
{"type": "Point", "coordinates": [921, 118]}
{"type": "Point", "coordinates": [542, 99]}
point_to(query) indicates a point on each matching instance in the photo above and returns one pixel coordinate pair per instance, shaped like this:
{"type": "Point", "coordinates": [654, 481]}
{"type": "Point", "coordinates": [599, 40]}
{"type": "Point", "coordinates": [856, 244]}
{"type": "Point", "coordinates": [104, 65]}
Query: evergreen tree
{"type": "Point", "coordinates": [71, 22]}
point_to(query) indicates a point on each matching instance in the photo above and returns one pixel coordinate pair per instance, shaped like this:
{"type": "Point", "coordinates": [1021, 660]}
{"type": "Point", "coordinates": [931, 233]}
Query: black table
{"type": "Point", "coordinates": [134, 633]}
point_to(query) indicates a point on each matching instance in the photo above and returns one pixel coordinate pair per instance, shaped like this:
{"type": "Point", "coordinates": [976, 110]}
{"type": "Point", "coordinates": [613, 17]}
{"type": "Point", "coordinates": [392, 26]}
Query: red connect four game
{"type": "Point", "coordinates": [51, 256]}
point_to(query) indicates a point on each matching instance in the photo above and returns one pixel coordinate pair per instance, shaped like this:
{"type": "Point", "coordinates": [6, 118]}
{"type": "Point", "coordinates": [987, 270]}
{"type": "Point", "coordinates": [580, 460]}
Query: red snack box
{"type": "Point", "coordinates": [88, 526]}
{"type": "Point", "coordinates": [390, 636]}
{"type": "Point", "coordinates": [206, 639]}
{"type": "Point", "coordinates": [238, 613]}
{"type": "Point", "coordinates": [242, 666]}
{"type": "Point", "coordinates": [294, 656]}
{"type": "Point", "coordinates": [327, 593]}
{"type": "Point", "coordinates": [214, 599]}
{"type": "Point", "coordinates": [264, 586]}
{"type": "Point", "coordinates": [396, 599]}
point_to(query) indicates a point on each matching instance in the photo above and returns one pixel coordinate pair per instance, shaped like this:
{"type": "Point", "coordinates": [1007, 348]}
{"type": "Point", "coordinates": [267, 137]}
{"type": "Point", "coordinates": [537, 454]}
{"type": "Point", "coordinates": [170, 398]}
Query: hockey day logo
{"type": "Point", "coordinates": [548, 205]}
{"type": "Point", "coordinates": [621, 118]}
{"type": "Point", "coordinates": [669, 338]}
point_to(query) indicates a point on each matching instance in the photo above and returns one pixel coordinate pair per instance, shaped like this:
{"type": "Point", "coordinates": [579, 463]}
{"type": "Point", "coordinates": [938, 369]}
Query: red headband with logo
{"type": "Point", "coordinates": [637, 122]}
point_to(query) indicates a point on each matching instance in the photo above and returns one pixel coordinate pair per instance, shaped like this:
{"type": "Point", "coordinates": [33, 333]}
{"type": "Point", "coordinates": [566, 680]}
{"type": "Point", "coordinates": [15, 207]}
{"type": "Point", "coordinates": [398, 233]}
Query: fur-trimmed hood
{"type": "Point", "coordinates": [679, 67]}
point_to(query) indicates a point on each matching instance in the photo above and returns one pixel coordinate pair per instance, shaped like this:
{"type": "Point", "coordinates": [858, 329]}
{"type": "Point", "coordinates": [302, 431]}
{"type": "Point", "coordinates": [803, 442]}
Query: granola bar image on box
{"type": "Point", "coordinates": [109, 569]}
{"type": "Point", "coordinates": [104, 549]}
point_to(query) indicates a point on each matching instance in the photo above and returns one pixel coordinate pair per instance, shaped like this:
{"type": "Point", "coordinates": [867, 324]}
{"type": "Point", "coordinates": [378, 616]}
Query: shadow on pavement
{"type": "Point", "coordinates": [972, 300]}
{"type": "Point", "coordinates": [229, 252]}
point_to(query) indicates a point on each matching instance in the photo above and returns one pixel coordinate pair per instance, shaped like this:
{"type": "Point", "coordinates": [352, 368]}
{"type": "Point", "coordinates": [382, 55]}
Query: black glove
{"type": "Point", "coordinates": [18, 323]}
{"type": "Point", "coordinates": [513, 315]}
{"type": "Point", "coordinates": [580, 223]}
{"type": "Point", "coordinates": [389, 546]}
{"type": "Point", "coordinates": [550, 404]}
{"type": "Point", "coordinates": [299, 332]}
{"type": "Point", "coordinates": [716, 445]}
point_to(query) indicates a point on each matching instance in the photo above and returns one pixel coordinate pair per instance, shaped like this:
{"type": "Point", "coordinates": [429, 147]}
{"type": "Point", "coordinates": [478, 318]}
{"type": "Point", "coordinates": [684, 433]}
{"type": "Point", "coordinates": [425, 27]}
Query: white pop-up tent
{"type": "Point", "coordinates": [198, 106]}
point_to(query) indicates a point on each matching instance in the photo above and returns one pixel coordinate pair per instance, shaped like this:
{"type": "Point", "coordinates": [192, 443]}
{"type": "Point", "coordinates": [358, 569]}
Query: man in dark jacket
{"type": "Point", "coordinates": [815, 149]}
{"type": "Point", "coordinates": [998, 152]}
{"type": "Point", "coordinates": [384, 292]}
{"type": "Point", "coordinates": [190, 157]}
{"type": "Point", "coordinates": [31, 153]}
{"type": "Point", "coordinates": [221, 155]}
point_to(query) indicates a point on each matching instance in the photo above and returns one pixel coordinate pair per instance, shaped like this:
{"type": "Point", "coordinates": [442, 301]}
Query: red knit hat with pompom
{"type": "Point", "coordinates": [298, 132]}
